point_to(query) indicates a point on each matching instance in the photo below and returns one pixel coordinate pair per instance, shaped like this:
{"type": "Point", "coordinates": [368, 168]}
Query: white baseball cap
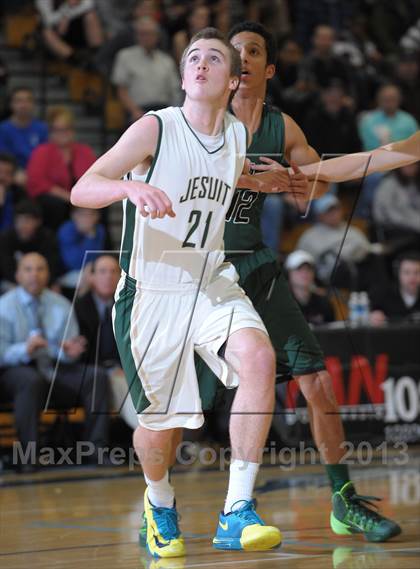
{"type": "Point", "coordinates": [297, 259]}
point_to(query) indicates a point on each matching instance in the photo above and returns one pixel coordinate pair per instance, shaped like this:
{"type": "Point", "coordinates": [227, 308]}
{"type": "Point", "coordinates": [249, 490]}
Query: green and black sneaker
{"type": "Point", "coordinates": [352, 513]}
{"type": "Point", "coordinates": [143, 532]}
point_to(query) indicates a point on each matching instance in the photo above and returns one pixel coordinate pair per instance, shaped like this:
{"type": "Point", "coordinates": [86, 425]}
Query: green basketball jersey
{"type": "Point", "coordinates": [243, 220]}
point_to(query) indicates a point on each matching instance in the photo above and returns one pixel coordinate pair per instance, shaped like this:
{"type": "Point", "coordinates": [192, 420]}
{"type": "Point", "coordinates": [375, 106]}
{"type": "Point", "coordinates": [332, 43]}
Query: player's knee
{"type": "Point", "coordinates": [264, 364]}
{"type": "Point", "coordinates": [317, 389]}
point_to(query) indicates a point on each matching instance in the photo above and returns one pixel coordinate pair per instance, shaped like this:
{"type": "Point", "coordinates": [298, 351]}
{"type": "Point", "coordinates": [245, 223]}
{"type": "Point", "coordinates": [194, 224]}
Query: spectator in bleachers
{"type": "Point", "coordinates": [94, 315]}
{"type": "Point", "coordinates": [316, 307]}
{"type": "Point", "coordinates": [335, 245]}
{"type": "Point", "coordinates": [27, 235]}
{"type": "Point", "coordinates": [396, 207]}
{"type": "Point", "coordinates": [322, 65]}
{"type": "Point", "coordinates": [37, 329]}
{"type": "Point", "coordinates": [56, 166]}
{"type": "Point", "coordinates": [387, 123]}
{"type": "Point", "coordinates": [198, 18]}
{"type": "Point", "coordinates": [146, 77]}
{"type": "Point", "coordinates": [21, 133]}
{"type": "Point", "coordinates": [331, 126]}
{"type": "Point", "coordinates": [10, 193]}
{"type": "Point", "coordinates": [127, 36]}
{"type": "Point", "coordinates": [70, 27]}
{"type": "Point", "coordinates": [77, 239]}
{"type": "Point", "coordinates": [289, 58]}
{"type": "Point", "coordinates": [407, 77]}
{"type": "Point", "coordinates": [400, 300]}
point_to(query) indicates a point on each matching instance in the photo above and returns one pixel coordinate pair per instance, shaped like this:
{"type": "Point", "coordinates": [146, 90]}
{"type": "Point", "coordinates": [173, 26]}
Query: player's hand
{"type": "Point", "coordinates": [272, 181]}
{"type": "Point", "coordinates": [299, 183]}
{"type": "Point", "coordinates": [148, 199]}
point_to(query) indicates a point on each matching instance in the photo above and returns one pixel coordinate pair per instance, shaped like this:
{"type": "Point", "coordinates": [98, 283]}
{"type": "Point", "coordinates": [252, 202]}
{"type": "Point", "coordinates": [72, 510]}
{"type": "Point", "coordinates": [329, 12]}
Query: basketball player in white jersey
{"type": "Point", "coordinates": [177, 296]}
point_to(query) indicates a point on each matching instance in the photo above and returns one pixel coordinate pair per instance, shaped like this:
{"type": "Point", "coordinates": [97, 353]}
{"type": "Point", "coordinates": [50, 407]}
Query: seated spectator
{"type": "Point", "coordinates": [77, 239]}
{"type": "Point", "coordinates": [340, 251]}
{"type": "Point", "coordinates": [10, 193]}
{"type": "Point", "coordinates": [289, 57]}
{"type": "Point", "coordinates": [56, 166]}
{"type": "Point", "coordinates": [399, 301]}
{"type": "Point", "coordinates": [22, 133]}
{"type": "Point", "coordinates": [396, 207]}
{"type": "Point", "coordinates": [331, 126]}
{"type": "Point", "coordinates": [94, 315]}
{"type": "Point", "coordinates": [387, 123]}
{"type": "Point", "coordinates": [322, 65]}
{"type": "Point", "coordinates": [198, 18]}
{"type": "Point", "coordinates": [146, 77]}
{"type": "Point", "coordinates": [316, 307]}
{"type": "Point", "coordinates": [37, 331]}
{"type": "Point", "coordinates": [27, 235]}
{"type": "Point", "coordinates": [70, 26]}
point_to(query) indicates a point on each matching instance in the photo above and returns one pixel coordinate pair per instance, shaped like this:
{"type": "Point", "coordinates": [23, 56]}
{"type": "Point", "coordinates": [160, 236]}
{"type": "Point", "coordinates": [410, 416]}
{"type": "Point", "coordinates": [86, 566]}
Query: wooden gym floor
{"type": "Point", "coordinates": [76, 518]}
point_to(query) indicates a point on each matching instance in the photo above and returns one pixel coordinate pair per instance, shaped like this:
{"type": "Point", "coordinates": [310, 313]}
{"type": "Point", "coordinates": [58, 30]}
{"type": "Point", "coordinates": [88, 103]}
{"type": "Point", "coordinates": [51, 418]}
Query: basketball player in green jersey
{"type": "Point", "coordinates": [297, 350]}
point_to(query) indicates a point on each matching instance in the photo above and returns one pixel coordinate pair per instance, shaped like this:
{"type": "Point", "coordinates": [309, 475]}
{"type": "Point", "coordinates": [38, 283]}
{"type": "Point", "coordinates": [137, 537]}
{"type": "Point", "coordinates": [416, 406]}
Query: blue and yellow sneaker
{"type": "Point", "coordinates": [163, 537]}
{"type": "Point", "coordinates": [351, 514]}
{"type": "Point", "coordinates": [143, 532]}
{"type": "Point", "coordinates": [244, 529]}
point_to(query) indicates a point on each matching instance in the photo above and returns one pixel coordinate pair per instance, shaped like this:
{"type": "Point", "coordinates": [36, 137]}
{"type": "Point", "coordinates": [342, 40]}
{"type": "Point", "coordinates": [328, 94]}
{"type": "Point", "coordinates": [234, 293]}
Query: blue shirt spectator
{"type": "Point", "coordinates": [82, 234]}
{"type": "Point", "coordinates": [387, 123]}
{"type": "Point", "coordinates": [21, 133]}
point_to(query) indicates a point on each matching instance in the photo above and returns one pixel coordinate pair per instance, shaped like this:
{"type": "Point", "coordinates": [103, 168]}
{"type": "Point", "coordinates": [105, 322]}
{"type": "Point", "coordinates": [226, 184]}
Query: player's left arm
{"type": "Point", "coordinates": [299, 153]}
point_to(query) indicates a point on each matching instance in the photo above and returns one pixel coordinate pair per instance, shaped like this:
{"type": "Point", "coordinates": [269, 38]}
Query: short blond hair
{"type": "Point", "coordinates": [58, 111]}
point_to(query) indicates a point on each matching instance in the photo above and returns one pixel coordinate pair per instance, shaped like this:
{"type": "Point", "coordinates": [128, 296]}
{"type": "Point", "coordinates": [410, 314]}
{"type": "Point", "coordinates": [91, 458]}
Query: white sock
{"type": "Point", "coordinates": [161, 493]}
{"type": "Point", "coordinates": [242, 475]}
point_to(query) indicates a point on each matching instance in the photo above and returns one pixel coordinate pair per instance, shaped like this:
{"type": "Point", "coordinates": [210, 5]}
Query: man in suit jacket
{"type": "Point", "coordinates": [93, 312]}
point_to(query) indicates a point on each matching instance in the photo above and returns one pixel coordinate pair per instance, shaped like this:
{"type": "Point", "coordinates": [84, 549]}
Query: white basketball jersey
{"type": "Point", "coordinates": [200, 182]}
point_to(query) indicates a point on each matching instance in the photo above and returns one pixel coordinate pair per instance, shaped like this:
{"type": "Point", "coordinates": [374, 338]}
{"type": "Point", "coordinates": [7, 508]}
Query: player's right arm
{"type": "Point", "coordinates": [101, 185]}
{"type": "Point", "coordinates": [360, 164]}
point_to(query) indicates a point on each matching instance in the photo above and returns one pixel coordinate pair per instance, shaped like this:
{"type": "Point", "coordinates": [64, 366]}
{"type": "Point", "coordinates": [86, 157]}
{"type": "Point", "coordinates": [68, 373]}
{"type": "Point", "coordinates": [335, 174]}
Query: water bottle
{"type": "Point", "coordinates": [354, 309]}
{"type": "Point", "coordinates": [364, 308]}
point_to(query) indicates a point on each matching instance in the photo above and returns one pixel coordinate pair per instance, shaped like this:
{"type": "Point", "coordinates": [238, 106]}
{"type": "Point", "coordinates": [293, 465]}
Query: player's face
{"type": "Point", "coordinates": [409, 276]}
{"type": "Point", "coordinates": [255, 71]}
{"type": "Point", "coordinates": [207, 74]}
